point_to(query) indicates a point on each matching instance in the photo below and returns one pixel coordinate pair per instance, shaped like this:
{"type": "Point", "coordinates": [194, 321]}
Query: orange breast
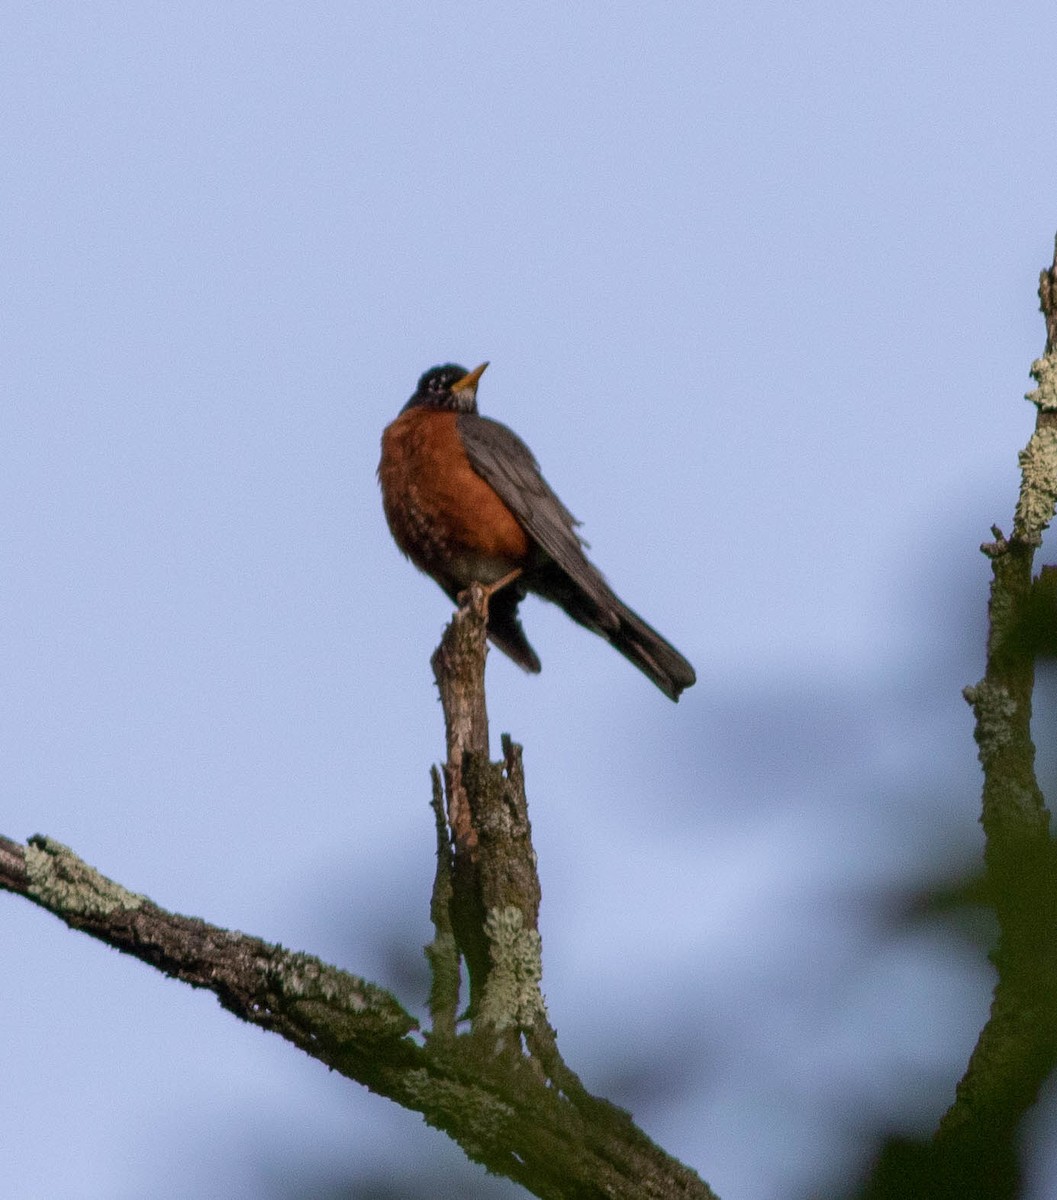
{"type": "Point", "coordinates": [442, 514]}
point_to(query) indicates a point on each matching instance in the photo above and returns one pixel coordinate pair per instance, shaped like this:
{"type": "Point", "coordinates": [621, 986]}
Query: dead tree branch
{"type": "Point", "coordinates": [975, 1151]}
{"type": "Point", "coordinates": [500, 1089]}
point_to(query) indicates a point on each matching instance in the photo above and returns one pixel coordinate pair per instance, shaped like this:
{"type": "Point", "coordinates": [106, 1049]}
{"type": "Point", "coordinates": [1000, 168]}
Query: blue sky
{"type": "Point", "coordinates": [757, 284]}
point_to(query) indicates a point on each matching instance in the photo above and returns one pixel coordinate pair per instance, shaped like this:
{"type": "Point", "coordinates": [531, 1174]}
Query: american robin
{"type": "Point", "coordinates": [466, 502]}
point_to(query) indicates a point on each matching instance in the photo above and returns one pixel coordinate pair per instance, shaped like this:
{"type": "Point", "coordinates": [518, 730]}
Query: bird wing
{"type": "Point", "coordinates": [566, 577]}
{"type": "Point", "coordinates": [504, 462]}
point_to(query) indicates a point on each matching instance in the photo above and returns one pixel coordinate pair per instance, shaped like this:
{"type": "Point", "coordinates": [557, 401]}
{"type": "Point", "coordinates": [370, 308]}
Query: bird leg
{"type": "Point", "coordinates": [487, 590]}
{"type": "Point", "coordinates": [491, 589]}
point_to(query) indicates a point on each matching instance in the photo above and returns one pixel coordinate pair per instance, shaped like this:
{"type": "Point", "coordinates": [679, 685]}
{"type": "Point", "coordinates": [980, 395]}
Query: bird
{"type": "Point", "coordinates": [466, 502]}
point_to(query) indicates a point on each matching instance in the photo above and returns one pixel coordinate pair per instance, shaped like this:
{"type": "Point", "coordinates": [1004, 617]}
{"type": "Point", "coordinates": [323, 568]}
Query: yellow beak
{"type": "Point", "coordinates": [468, 383]}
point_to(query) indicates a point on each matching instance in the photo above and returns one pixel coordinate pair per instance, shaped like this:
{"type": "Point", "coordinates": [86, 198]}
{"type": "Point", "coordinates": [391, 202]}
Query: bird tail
{"type": "Point", "coordinates": [656, 658]}
{"type": "Point", "coordinates": [599, 610]}
{"type": "Point", "coordinates": [592, 603]}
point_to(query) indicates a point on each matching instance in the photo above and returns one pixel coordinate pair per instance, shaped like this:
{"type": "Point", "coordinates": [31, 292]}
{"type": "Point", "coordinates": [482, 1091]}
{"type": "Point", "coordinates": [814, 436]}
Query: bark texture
{"type": "Point", "coordinates": [493, 1080]}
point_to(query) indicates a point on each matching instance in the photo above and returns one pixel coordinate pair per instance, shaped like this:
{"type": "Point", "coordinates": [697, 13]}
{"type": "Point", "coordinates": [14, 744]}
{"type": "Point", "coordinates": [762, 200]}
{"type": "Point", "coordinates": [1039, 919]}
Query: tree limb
{"type": "Point", "coordinates": [974, 1152]}
{"type": "Point", "coordinates": [351, 1025]}
{"type": "Point", "coordinates": [501, 1091]}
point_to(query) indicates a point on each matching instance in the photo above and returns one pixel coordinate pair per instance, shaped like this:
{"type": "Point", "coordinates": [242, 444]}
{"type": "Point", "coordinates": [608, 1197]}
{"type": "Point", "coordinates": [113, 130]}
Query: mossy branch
{"type": "Point", "coordinates": [975, 1150]}
{"type": "Point", "coordinates": [487, 871]}
{"type": "Point", "coordinates": [500, 1090]}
